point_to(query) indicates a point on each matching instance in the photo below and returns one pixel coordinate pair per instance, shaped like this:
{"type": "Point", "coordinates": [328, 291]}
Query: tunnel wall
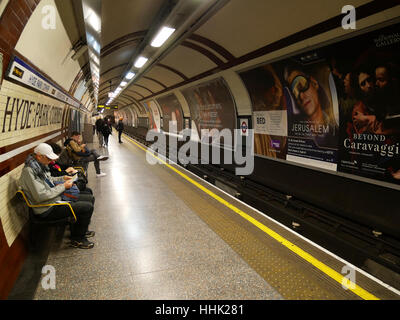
{"type": "Point", "coordinates": [368, 202]}
{"type": "Point", "coordinates": [27, 114]}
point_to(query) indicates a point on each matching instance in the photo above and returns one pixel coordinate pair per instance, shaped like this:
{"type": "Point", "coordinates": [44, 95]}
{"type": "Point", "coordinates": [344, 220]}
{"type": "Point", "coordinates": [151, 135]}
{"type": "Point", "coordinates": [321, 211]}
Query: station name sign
{"type": "Point", "coordinates": [25, 74]}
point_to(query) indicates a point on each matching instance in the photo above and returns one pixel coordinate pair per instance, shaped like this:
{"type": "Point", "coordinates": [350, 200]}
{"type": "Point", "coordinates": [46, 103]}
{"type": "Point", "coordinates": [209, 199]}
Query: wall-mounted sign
{"type": "Point", "coordinates": [100, 106]}
{"type": "Point", "coordinates": [25, 74]}
{"type": "Point", "coordinates": [244, 127]}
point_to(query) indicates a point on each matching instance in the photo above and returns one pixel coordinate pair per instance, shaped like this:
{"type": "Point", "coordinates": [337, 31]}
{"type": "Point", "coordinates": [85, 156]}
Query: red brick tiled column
{"type": "Point", "coordinates": [12, 23]}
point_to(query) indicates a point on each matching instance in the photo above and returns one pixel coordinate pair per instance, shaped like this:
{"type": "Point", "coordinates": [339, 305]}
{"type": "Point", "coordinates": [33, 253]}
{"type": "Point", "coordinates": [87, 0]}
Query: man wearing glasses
{"type": "Point", "coordinates": [41, 188]}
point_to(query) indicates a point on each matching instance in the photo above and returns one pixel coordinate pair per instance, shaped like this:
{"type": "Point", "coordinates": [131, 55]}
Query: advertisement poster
{"type": "Point", "coordinates": [367, 76]}
{"type": "Point", "coordinates": [313, 111]}
{"type": "Point", "coordinates": [172, 111]}
{"type": "Point", "coordinates": [211, 107]}
{"type": "Point", "coordinates": [342, 104]}
{"type": "Point", "coordinates": [154, 115]}
{"type": "Point", "coordinates": [269, 111]}
{"type": "Point", "coordinates": [295, 111]}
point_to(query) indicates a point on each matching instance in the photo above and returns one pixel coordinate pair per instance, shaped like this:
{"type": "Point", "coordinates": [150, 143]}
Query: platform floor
{"type": "Point", "coordinates": [160, 237]}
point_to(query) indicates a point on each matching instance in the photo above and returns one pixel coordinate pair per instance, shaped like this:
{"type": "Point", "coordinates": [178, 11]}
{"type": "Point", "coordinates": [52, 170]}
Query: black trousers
{"type": "Point", "coordinates": [119, 136]}
{"type": "Point", "coordinates": [106, 139]}
{"type": "Point", "coordinates": [83, 209]}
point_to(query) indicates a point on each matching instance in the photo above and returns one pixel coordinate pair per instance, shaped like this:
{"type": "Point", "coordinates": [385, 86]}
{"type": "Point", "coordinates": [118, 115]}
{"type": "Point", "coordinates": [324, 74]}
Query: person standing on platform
{"type": "Point", "coordinates": [94, 124]}
{"type": "Point", "coordinates": [99, 128]}
{"type": "Point", "coordinates": [106, 130]}
{"type": "Point", "coordinates": [120, 128]}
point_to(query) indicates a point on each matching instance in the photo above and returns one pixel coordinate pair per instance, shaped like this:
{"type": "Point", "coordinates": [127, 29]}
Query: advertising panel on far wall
{"type": "Point", "coordinates": [153, 115]}
{"type": "Point", "coordinates": [295, 114]}
{"type": "Point", "coordinates": [269, 111]}
{"type": "Point", "coordinates": [367, 76]}
{"type": "Point", "coordinates": [211, 107]}
{"type": "Point", "coordinates": [342, 104]}
{"type": "Point", "coordinates": [172, 111]}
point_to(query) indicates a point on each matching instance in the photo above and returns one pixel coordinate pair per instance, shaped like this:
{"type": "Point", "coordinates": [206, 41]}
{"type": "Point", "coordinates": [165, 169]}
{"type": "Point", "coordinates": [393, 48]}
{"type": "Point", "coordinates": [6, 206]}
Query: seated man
{"type": "Point", "coordinates": [58, 170]}
{"type": "Point", "coordinates": [81, 154]}
{"type": "Point", "coordinates": [41, 188]}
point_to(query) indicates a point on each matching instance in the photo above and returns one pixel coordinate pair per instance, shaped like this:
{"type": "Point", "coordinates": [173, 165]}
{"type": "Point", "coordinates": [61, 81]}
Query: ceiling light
{"type": "Point", "coordinates": [123, 83]}
{"type": "Point", "coordinates": [162, 36]}
{"type": "Point", "coordinates": [140, 62]}
{"type": "Point", "coordinates": [130, 75]}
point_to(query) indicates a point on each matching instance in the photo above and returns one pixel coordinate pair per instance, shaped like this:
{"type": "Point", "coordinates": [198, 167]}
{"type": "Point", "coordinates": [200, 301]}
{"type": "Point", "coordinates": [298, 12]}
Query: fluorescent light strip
{"type": "Point", "coordinates": [140, 62]}
{"type": "Point", "coordinates": [130, 75]}
{"type": "Point", "coordinates": [162, 36]}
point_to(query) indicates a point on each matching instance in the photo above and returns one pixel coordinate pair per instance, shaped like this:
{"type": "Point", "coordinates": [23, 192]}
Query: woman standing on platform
{"type": "Point", "coordinates": [107, 130]}
{"type": "Point", "coordinates": [120, 128]}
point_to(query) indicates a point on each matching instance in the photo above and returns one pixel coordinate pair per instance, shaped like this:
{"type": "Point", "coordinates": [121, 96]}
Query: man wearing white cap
{"type": "Point", "coordinates": [41, 188]}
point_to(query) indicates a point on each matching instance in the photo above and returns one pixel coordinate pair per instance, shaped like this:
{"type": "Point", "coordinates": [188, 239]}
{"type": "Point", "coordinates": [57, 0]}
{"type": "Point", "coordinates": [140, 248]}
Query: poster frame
{"type": "Point", "coordinates": [352, 34]}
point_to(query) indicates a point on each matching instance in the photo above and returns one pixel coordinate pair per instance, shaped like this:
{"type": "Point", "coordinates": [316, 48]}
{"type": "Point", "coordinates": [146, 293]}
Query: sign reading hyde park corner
{"type": "Point", "coordinates": [26, 75]}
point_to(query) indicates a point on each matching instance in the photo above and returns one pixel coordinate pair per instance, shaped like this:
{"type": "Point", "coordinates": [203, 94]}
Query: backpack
{"type": "Point", "coordinates": [71, 194]}
{"type": "Point", "coordinates": [66, 143]}
{"type": "Point", "coordinates": [81, 182]}
{"type": "Point", "coordinates": [65, 158]}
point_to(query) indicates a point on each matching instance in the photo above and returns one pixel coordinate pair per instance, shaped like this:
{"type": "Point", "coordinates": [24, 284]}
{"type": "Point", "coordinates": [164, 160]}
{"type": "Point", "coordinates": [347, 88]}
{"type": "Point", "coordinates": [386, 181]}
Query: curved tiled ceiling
{"type": "Point", "coordinates": [229, 33]}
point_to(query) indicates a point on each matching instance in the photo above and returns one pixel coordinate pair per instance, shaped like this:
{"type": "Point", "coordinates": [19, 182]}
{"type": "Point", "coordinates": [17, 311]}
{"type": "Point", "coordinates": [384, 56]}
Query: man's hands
{"type": "Point", "coordinates": [71, 170]}
{"type": "Point", "coordinates": [68, 184]}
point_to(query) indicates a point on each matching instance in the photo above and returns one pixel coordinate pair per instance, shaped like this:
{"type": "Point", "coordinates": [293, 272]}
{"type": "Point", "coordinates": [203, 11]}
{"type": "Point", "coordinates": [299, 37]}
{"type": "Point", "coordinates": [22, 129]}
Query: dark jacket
{"type": "Point", "coordinates": [57, 170]}
{"type": "Point", "coordinates": [106, 129]}
{"type": "Point", "coordinates": [120, 126]}
{"type": "Point", "coordinates": [99, 124]}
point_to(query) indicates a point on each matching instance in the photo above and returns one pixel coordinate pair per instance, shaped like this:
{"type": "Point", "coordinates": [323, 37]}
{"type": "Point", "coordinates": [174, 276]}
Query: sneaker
{"type": "Point", "coordinates": [102, 158]}
{"type": "Point", "coordinates": [82, 244]}
{"type": "Point", "coordinates": [101, 174]}
{"type": "Point", "coordinates": [90, 234]}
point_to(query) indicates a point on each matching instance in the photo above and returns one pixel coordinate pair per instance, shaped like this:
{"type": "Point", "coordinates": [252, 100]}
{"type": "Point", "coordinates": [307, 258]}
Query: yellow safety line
{"type": "Point", "coordinates": [306, 256]}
